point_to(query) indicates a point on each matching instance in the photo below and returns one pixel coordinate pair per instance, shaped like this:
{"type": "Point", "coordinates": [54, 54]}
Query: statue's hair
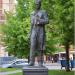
{"type": "Point", "coordinates": [37, 1]}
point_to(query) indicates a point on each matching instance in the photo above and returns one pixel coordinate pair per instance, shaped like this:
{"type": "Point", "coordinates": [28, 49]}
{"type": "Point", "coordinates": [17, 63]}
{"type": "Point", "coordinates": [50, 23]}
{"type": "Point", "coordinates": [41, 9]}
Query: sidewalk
{"type": "Point", "coordinates": [50, 66]}
{"type": "Point", "coordinates": [12, 72]}
{"type": "Point", "coordinates": [55, 66]}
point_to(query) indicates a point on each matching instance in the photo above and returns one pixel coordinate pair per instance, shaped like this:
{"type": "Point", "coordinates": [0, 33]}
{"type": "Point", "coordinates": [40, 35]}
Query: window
{"type": "Point", "coordinates": [0, 4]}
{"type": "Point", "coordinates": [6, 6]}
{"type": "Point", "coordinates": [11, 1]}
{"type": "Point", "coordinates": [19, 62]}
{"type": "Point", "coordinates": [0, 12]}
{"type": "Point", "coordinates": [0, 1]}
{"type": "Point", "coordinates": [2, 17]}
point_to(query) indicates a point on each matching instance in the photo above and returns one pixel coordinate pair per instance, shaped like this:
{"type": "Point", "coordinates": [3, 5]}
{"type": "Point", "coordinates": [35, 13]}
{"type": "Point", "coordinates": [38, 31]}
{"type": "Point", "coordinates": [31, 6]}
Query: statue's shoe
{"type": "Point", "coordinates": [41, 65]}
{"type": "Point", "coordinates": [31, 64]}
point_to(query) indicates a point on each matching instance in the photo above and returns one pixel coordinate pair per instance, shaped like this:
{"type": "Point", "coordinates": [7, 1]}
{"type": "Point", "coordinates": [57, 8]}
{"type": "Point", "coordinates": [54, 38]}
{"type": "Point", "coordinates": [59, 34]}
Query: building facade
{"type": "Point", "coordinates": [5, 6]}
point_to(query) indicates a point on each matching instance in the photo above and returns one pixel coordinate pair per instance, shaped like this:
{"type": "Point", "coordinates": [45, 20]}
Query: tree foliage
{"type": "Point", "coordinates": [61, 13]}
{"type": "Point", "coordinates": [16, 31]}
{"type": "Point", "coordinates": [61, 16]}
{"type": "Point", "coordinates": [59, 30]}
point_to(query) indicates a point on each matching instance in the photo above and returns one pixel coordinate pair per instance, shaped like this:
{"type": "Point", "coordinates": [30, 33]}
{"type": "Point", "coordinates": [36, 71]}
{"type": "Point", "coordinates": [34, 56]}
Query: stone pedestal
{"type": "Point", "coordinates": [35, 70]}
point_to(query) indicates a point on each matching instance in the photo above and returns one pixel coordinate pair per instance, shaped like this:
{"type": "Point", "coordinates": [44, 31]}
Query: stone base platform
{"type": "Point", "coordinates": [35, 70]}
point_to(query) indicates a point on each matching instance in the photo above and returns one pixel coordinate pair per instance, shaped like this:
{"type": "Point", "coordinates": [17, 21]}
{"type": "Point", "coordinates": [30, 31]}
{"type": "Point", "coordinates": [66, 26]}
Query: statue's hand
{"type": "Point", "coordinates": [37, 20]}
{"type": "Point", "coordinates": [37, 23]}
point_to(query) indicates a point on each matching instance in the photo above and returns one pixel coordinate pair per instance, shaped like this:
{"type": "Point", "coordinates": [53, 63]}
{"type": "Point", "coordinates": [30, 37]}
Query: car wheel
{"type": "Point", "coordinates": [10, 67]}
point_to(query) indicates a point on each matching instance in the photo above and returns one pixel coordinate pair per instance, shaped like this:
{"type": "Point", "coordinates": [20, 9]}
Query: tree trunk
{"type": "Point", "coordinates": [67, 57]}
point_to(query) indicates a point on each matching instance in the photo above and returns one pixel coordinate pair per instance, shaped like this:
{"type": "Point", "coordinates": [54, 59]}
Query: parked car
{"type": "Point", "coordinates": [6, 60]}
{"type": "Point", "coordinates": [18, 63]}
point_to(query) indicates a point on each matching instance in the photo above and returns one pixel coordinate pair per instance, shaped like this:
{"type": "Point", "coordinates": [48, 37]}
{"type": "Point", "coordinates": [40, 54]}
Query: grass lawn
{"type": "Point", "coordinates": [60, 72]}
{"type": "Point", "coordinates": [53, 72]}
{"type": "Point", "coordinates": [7, 69]}
{"type": "Point", "coordinates": [20, 73]}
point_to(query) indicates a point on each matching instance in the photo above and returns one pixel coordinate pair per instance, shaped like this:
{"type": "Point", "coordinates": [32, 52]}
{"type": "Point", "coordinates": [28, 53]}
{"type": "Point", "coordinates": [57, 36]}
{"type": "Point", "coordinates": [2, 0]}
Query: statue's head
{"type": "Point", "coordinates": [37, 4]}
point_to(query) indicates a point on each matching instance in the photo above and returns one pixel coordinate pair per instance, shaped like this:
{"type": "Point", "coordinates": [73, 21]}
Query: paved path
{"type": "Point", "coordinates": [50, 66]}
{"type": "Point", "coordinates": [12, 72]}
{"type": "Point", "coordinates": [55, 66]}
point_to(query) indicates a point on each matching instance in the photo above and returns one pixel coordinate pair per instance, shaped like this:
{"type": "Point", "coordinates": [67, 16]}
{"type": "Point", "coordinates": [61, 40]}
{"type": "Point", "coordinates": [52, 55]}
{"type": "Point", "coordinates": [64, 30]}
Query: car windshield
{"type": "Point", "coordinates": [18, 62]}
{"type": "Point", "coordinates": [10, 62]}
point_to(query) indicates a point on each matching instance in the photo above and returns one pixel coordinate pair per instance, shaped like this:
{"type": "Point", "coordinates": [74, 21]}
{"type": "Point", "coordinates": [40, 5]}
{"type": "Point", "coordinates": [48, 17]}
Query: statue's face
{"type": "Point", "coordinates": [37, 6]}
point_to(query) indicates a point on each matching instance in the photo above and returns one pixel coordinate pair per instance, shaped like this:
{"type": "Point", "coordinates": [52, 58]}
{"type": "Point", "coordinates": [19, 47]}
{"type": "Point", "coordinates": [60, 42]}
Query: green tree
{"type": "Point", "coordinates": [16, 30]}
{"type": "Point", "coordinates": [53, 30]}
{"type": "Point", "coordinates": [59, 31]}
{"type": "Point", "coordinates": [67, 20]}
{"type": "Point", "coordinates": [61, 15]}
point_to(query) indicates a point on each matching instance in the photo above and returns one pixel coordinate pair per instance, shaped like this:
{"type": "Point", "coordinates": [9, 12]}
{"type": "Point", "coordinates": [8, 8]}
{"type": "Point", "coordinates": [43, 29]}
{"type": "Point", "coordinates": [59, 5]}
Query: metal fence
{"type": "Point", "coordinates": [6, 60]}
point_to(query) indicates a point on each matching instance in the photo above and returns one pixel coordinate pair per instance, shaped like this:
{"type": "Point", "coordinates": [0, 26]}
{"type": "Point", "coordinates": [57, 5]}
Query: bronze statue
{"type": "Point", "coordinates": [38, 20]}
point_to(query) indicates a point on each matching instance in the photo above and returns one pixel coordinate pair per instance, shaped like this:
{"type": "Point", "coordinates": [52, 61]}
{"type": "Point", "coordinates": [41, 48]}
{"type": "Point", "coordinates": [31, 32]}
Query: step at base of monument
{"type": "Point", "coordinates": [35, 70]}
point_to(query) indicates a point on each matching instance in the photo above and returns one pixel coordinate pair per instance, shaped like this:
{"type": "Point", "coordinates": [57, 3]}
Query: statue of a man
{"type": "Point", "coordinates": [38, 20]}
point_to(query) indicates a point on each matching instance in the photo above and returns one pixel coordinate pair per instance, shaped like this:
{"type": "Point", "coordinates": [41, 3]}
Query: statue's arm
{"type": "Point", "coordinates": [44, 20]}
{"type": "Point", "coordinates": [31, 26]}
